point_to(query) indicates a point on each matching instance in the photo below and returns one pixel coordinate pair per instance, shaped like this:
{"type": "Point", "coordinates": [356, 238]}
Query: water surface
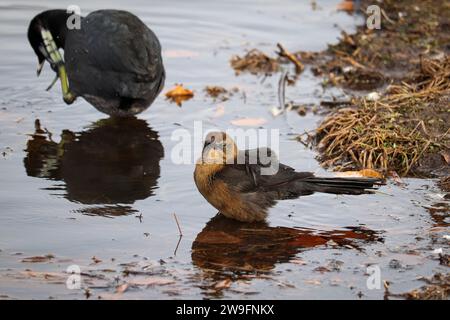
{"type": "Point", "coordinates": [77, 185]}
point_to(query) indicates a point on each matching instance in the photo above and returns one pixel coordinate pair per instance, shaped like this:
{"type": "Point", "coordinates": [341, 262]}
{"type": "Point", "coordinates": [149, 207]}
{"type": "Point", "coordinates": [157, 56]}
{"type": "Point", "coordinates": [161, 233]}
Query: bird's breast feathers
{"type": "Point", "coordinates": [224, 197]}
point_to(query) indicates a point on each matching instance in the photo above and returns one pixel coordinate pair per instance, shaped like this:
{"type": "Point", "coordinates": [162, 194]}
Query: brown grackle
{"type": "Point", "coordinates": [240, 190]}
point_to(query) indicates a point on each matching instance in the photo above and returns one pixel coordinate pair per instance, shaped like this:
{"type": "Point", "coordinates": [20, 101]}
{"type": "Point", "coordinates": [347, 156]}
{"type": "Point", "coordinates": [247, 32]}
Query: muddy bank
{"type": "Point", "coordinates": [395, 111]}
{"type": "Point", "coordinates": [397, 80]}
{"type": "Point", "coordinates": [70, 202]}
{"type": "Point", "coordinates": [401, 73]}
{"type": "Point", "coordinates": [397, 121]}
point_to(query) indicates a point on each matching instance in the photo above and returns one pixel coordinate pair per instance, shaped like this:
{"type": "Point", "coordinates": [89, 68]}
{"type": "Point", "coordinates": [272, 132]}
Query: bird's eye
{"type": "Point", "coordinates": [209, 141]}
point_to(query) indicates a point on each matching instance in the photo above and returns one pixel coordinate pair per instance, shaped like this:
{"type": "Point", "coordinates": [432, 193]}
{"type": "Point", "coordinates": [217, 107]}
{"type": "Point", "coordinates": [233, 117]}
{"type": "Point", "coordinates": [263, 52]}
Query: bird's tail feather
{"type": "Point", "coordinates": [343, 185]}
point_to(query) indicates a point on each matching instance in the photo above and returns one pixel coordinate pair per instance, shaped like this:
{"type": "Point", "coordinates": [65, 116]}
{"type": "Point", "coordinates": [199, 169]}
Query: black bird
{"type": "Point", "coordinates": [115, 161]}
{"type": "Point", "coordinates": [113, 60]}
{"type": "Point", "coordinates": [237, 186]}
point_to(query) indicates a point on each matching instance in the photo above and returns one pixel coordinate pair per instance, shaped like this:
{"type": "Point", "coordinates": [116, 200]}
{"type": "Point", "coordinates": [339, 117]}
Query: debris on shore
{"type": "Point", "coordinates": [255, 62]}
{"type": "Point", "coordinates": [436, 288]}
{"type": "Point", "coordinates": [398, 80]}
{"type": "Point", "coordinates": [220, 93]}
{"type": "Point", "coordinates": [396, 132]}
{"type": "Point", "coordinates": [405, 128]}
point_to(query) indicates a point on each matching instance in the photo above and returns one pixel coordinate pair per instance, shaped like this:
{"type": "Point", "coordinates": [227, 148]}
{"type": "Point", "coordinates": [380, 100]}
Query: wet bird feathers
{"type": "Point", "coordinates": [119, 64]}
{"type": "Point", "coordinates": [242, 192]}
{"type": "Point", "coordinates": [114, 61]}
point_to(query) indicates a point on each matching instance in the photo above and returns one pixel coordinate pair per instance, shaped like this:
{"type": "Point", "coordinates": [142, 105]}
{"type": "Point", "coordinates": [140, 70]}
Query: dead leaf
{"type": "Point", "coordinates": [298, 261]}
{"type": "Point", "coordinates": [216, 92]}
{"type": "Point", "coordinates": [314, 282]}
{"type": "Point", "coordinates": [151, 281]}
{"type": "Point", "coordinates": [50, 277]}
{"type": "Point", "coordinates": [249, 122]}
{"type": "Point", "coordinates": [365, 173]}
{"type": "Point", "coordinates": [96, 260]}
{"type": "Point", "coordinates": [38, 259]}
{"type": "Point", "coordinates": [122, 288]}
{"type": "Point", "coordinates": [179, 94]}
{"type": "Point", "coordinates": [224, 284]}
{"type": "Point", "coordinates": [346, 5]}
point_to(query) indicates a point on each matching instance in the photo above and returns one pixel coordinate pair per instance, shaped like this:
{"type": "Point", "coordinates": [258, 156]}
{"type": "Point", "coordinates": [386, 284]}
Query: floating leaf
{"type": "Point", "coordinates": [314, 282]}
{"type": "Point", "coordinates": [298, 261]}
{"type": "Point", "coordinates": [122, 288]}
{"type": "Point", "coordinates": [151, 281]}
{"type": "Point", "coordinates": [179, 94]}
{"type": "Point", "coordinates": [224, 284]}
{"type": "Point", "coordinates": [249, 122]}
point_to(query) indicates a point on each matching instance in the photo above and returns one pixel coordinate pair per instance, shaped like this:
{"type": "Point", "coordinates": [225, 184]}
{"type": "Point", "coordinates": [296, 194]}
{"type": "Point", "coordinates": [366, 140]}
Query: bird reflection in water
{"type": "Point", "coordinates": [113, 163]}
{"type": "Point", "coordinates": [227, 245]}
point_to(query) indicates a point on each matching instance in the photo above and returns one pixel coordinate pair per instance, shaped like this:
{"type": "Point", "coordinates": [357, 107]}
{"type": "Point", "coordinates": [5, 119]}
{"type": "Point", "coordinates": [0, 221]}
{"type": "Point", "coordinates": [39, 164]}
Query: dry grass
{"type": "Point", "coordinates": [255, 62]}
{"type": "Point", "coordinates": [407, 129]}
{"type": "Point", "coordinates": [394, 132]}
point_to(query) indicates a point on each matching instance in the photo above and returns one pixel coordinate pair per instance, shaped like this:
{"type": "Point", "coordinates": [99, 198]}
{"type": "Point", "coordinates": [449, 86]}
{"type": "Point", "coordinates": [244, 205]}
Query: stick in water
{"type": "Point", "coordinates": [299, 67]}
{"type": "Point", "coordinates": [178, 225]}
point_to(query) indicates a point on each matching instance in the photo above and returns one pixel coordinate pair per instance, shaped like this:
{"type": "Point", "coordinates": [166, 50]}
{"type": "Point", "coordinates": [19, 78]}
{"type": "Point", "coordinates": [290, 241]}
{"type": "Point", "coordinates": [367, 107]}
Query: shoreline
{"type": "Point", "coordinates": [397, 81]}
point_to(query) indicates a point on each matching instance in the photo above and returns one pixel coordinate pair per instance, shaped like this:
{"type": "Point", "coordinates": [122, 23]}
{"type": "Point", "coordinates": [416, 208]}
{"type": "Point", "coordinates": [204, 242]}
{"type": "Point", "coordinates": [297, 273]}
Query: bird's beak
{"type": "Point", "coordinates": [53, 56]}
{"type": "Point", "coordinates": [39, 68]}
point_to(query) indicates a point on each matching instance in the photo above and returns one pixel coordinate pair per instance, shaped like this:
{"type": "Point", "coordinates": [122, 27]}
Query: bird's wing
{"type": "Point", "coordinates": [118, 53]}
{"type": "Point", "coordinates": [119, 41]}
{"type": "Point", "coordinates": [254, 174]}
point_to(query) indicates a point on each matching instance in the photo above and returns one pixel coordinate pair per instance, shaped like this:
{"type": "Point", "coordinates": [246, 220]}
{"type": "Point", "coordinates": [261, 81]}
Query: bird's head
{"type": "Point", "coordinates": [47, 33]}
{"type": "Point", "coordinates": [219, 149]}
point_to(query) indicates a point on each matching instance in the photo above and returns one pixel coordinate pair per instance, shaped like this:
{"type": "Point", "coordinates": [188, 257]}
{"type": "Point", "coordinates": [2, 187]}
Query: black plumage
{"type": "Point", "coordinates": [113, 60]}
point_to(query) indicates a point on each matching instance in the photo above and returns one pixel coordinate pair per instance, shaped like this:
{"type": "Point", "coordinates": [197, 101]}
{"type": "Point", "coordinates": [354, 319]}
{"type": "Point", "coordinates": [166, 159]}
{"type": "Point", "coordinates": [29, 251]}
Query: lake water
{"type": "Point", "coordinates": [101, 194]}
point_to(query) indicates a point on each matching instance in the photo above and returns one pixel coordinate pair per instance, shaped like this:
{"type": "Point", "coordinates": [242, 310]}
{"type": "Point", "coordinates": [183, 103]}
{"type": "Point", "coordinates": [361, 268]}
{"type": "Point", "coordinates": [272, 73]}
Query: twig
{"type": "Point", "coordinates": [178, 225]}
{"type": "Point", "coordinates": [386, 17]}
{"type": "Point", "coordinates": [281, 91]}
{"type": "Point", "coordinates": [178, 244]}
{"type": "Point", "coordinates": [284, 53]}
